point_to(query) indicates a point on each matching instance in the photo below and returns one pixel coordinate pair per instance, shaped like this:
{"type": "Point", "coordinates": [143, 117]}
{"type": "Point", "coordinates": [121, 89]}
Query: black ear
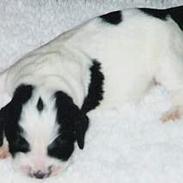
{"type": "Point", "coordinates": [71, 118]}
{"type": "Point", "coordinates": [1, 128]}
{"type": "Point", "coordinates": [10, 114]}
{"type": "Point", "coordinates": [81, 127]}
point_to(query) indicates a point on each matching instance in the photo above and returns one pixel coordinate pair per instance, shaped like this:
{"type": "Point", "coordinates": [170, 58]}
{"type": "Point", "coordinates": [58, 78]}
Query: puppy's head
{"type": "Point", "coordinates": [41, 131]}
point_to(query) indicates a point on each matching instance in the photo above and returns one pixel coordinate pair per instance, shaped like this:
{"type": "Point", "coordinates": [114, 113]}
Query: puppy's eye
{"type": "Point", "coordinates": [61, 148]}
{"type": "Point", "coordinates": [19, 145]}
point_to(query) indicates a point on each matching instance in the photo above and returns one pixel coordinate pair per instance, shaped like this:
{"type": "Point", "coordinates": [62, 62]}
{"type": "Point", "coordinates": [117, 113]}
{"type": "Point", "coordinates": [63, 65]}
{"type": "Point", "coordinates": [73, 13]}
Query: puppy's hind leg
{"type": "Point", "coordinates": [170, 75]}
{"type": "Point", "coordinates": [170, 69]}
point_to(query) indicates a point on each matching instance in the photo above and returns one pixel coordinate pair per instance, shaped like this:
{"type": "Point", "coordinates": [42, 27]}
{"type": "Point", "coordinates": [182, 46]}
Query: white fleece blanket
{"type": "Point", "coordinates": [126, 145]}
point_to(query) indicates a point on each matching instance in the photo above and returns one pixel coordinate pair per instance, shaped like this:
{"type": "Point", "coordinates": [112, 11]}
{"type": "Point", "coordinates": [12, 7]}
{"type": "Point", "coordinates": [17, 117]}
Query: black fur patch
{"type": "Point", "coordinates": [61, 149]}
{"type": "Point", "coordinates": [113, 17]}
{"type": "Point", "coordinates": [73, 125]}
{"type": "Point", "coordinates": [158, 13]}
{"type": "Point", "coordinates": [175, 13]}
{"type": "Point", "coordinates": [95, 90]}
{"type": "Point", "coordinates": [40, 105]}
{"type": "Point", "coordinates": [10, 116]}
{"type": "Point", "coordinates": [1, 131]}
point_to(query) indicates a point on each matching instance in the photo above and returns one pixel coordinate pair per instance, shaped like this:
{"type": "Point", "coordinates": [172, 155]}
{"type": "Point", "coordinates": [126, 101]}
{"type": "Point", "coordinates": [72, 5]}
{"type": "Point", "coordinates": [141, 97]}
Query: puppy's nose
{"type": "Point", "coordinates": [40, 175]}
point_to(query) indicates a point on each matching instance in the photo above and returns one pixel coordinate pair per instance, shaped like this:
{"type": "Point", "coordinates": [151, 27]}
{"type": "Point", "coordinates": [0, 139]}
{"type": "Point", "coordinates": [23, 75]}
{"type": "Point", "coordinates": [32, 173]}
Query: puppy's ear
{"type": "Point", "coordinates": [71, 118]}
{"type": "Point", "coordinates": [10, 114]}
{"type": "Point", "coordinates": [1, 128]}
{"type": "Point", "coordinates": [81, 126]}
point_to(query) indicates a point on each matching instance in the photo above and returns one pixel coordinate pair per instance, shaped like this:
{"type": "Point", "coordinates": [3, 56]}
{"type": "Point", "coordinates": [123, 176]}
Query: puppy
{"type": "Point", "coordinates": [111, 59]}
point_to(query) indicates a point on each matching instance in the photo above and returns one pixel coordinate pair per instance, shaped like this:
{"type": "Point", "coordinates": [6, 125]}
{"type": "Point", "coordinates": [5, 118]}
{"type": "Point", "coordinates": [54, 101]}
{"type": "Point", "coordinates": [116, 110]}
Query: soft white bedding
{"type": "Point", "coordinates": [126, 145]}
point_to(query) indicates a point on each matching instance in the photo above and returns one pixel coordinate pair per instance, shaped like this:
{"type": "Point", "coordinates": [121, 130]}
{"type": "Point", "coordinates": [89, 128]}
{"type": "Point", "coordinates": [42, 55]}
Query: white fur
{"type": "Point", "coordinates": [132, 54]}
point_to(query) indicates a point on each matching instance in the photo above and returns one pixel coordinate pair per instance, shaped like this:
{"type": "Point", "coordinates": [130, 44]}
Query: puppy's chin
{"type": "Point", "coordinates": [29, 165]}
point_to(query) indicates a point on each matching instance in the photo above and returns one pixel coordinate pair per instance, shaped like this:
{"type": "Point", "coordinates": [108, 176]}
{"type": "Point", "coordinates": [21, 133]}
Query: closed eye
{"type": "Point", "coordinates": [61, 148]}
{"type": "Point", "coordinates": [19, 145]}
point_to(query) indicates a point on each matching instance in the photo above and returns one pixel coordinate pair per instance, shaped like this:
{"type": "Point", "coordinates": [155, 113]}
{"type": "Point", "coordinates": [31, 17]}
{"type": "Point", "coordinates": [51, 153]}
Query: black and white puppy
{"type": "Point", "coordinates": [108, 61]}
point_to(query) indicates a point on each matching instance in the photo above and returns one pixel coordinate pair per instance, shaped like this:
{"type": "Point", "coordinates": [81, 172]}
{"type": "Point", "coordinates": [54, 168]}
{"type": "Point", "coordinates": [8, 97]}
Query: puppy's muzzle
{"type": "Point", "coordinates": [39, 174]}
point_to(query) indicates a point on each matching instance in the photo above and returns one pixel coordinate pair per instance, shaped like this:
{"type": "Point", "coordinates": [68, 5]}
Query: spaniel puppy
{"type": "Point", "coordinates": [111, 59]}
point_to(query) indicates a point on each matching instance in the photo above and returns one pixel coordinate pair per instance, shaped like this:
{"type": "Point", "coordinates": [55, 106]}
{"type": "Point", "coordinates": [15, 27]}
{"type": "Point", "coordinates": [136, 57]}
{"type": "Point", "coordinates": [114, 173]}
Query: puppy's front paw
{"type": "Point", "coordinates": [4, 152]}
{"type": "Point", "coordinates": [172, 115]}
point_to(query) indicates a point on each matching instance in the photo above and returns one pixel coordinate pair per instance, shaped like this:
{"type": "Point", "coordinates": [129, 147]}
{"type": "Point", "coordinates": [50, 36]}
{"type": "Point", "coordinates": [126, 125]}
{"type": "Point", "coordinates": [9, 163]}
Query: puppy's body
{"type": "Point", "coordinates": [114, 57]}
{"type": "Point", "coordinates": [133, 52]}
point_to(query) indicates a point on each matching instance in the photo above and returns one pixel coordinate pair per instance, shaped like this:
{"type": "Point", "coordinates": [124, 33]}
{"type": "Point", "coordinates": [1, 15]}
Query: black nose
{"type": "Point", "coordinates": [40, 175]}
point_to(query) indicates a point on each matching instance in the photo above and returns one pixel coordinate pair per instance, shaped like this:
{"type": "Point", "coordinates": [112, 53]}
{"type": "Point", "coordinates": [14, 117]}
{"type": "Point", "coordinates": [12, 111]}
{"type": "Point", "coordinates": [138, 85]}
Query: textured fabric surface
{"type": "Point", "coordinates": [129, 144]}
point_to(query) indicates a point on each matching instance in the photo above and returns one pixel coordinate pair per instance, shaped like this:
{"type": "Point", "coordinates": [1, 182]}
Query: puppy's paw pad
{"type": "Point", "coordinates": [171, 115]}
{"type": "Point", "coordinates": [4, 152]}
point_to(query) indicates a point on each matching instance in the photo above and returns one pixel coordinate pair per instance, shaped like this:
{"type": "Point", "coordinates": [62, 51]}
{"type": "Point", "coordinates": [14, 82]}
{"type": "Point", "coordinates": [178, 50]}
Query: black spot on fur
{"type": "Point", "coordinates": [61, 148]}
{"type": "Point", "coordinates": [95, 91]}
{"type": "Point", "coordinates": [176, 14]}
{"type": "Point", "coordinates": [19, 145]}
{"type": "Point", "coordinates": [1, 132]}
{"type": "Point", "coordinates": [10, 116]}
{"type": "Point", "coordinates": [162, 14]}
{"type": "Point", "coordinates": [40, 105]}
{"type": "Point", "coordinates": [73, 125]}
{"type": "Point", "coordinates": [113, 17]}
